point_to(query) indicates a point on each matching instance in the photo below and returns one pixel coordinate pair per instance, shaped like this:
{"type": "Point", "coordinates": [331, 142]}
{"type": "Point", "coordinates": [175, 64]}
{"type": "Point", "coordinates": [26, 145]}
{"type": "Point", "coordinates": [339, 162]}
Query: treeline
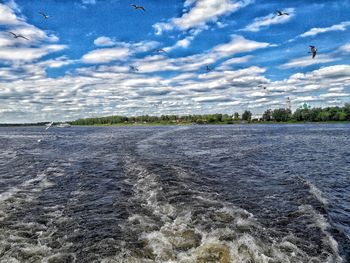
{"type": "Point", "coordinates": [276, 115]}
{"type": "Point", "coordinates": [164, 119]}
{"type": "Point", "coordinates": [308, 115]}
{"type": "Point", "coordinates": [22, 124]}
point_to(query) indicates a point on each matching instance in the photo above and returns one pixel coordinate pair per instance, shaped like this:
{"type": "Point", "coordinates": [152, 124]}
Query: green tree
{"type": "Point", "coordinates": [267, 116]}
{"type": "Point", "coordinates": [247, 115]}
{"type": "Point", "coordinates": [281, 115]}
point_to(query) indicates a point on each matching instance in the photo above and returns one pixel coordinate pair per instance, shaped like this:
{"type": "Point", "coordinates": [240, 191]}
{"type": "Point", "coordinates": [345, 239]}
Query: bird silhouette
{"type": "Point", "coordinates": [48, 126]}
{"type": "Point", "coordinates": [133, 68]}
{"type": "Point", "coordinates": [280, 13]}
{"type": "Point", "coordinates": [138, 7]}
{"type": "Point", "coordinates": [44, 15]}
{"type": "Point", "coordinates": [313, 51]}
{"type": "Point", "coordinates": [160, 50]}
{"type": "Point", "coordinates": [208, 68]}
{"type": "Point", "coordinates": [18, 36]}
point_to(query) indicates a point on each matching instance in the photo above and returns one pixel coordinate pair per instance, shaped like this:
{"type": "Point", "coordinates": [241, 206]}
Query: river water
{"type": "Point", "coordinates": [234, 193]}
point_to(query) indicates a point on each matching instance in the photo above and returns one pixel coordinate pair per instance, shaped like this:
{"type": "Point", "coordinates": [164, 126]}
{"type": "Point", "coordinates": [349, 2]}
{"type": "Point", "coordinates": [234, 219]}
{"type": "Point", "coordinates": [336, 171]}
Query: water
{"type": "Point", "coordinates": [274, 193]}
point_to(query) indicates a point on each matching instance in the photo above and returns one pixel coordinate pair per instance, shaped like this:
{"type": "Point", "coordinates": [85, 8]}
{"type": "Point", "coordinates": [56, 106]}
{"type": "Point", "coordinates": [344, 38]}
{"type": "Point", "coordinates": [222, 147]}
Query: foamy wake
{"type": "Point", "coordinates": [26, 241]}
{"type": "Point", "coordinates": [207, 230]}
{"type": "Point", "coordinates": [317, 193]}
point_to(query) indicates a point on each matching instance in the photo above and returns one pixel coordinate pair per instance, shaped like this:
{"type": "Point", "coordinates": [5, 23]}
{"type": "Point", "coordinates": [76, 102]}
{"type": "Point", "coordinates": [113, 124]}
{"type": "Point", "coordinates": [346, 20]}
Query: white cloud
{"type": "Point", "coordinates": [271, 19]}
{"type": "Point", "coordinates": [334, 94]}
{"type": "Point", "coordinates": [121, 51]}
{"type": "Point", "coordinates": [345, 48]}
{"type": "Point", "coordinates": [339, 89]}
{"type": "Point", "coordinates": [308, 61]}
{"type": "Point", "coordinates": [104, 41]}
{"type": "Point", "coordinates": [89, 2]}
{"type": "Point", "coordinates": [8, 16]}
{"type": "Point", "coordinates": [16, 54]}
{"type": "Point", "coordinates": [19, 50]}
{"type": "Point", "coordinates": [226, 64]}
{"type": "Point", "coordinates": [106, 55]}
{"type": "Point", "coordinates": [56, 62]}
{"type": "Point", "coordinates": [108, 90]}
{"type": "Point", "coordinates": [318, 30]}
{"type": "Point", "coordinates": [202, 12]}
{"type": "Point", "coordinates": [239, 44]}
{"type": "Point", "coordinates": [183, 43]}
{"type": "Point", "coordinates": [236, 45]}
{"type": "Point", "coordinates": [97, 90]}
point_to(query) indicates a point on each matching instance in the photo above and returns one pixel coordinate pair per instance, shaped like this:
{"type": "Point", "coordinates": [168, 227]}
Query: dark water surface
{"type": "Point", "coordinates": [254, 193]}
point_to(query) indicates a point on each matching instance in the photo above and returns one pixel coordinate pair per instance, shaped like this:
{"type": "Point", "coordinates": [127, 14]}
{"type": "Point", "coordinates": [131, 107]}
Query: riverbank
{"type": "Point", "coordinates": [218, 123]}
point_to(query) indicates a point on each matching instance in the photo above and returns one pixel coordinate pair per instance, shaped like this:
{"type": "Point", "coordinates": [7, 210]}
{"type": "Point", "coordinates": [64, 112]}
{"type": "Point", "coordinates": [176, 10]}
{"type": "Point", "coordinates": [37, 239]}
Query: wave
{"type": "Point", "coordinates": [202, 228]}
{"type": "Point", "coordinates": [317, 193]}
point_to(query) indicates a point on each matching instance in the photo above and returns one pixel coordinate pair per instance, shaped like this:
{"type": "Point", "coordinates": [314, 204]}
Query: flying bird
{"type": "Point", "coordinates": [280, 13]}
{"type": "Point", "coordinates": [262, 86]}
{"type": "Point", "coordinates": [313, 51]}
{"type": "Point", "coordinates": [48, 126]}
{"type": "Point", "coordinates": [44, 15]}
{"type": "Point", "coordinates": [138, 7]}
{"type": "Point", "coordinates": [18, 36]}
{"type": "Point", "coordinates": [208, 68]}
{"type": "Point", "coordinates": [133, 68]}
{"type": "Point", "coordinates": [160, 50]}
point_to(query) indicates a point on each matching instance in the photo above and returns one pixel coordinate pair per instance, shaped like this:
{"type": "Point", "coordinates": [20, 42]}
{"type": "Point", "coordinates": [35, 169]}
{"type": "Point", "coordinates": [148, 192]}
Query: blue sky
{"type": "Point", "coordinates": [77, 63]}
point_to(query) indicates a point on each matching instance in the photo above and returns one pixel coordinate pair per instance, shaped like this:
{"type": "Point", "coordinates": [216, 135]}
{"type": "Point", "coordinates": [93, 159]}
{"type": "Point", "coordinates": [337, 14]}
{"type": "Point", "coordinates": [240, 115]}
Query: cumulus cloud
{"type": "Point", "coordinates": [56, 62]}
{"type": "Point", "coordinates": [104, 84]}
{"type": "Point", "coordinates": [88, 2]}
{"type": "Point", "coordinates": [236, 60]}
{"type": "Point", "coordinates": [345, 48]}
{"type": "Point", "coordinates": [8, 16]}
{"type": "Point", "coordinates": [16, 54]}
{"type": "Point", "coordinates": [182, 43]}
{"type": "Point", "coordinates": [121, 51]}
{"type": "Point", "coordinates": [239, 44]}
{"type": "Point", "coordinates": [271, 19]}
{"type": "Point", "coordinates": [199, 12]}
{"type": "Point", "coordinates": [307, 61]}
{"type": "Point", "coordinates": [318, 30]}
{"type": "Point", "coordinates": [106, 90]}
{"type": "Point", "coordinates": [104, 41]}
{"type": "Point", "coordinates": [21, 50]}
{"type": "Point", "coordinates": [236, 45]}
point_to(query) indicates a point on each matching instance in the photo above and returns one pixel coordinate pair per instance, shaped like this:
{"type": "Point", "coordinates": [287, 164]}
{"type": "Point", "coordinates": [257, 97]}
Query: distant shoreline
{"type": "Point", "coordinates": [177, 124]}
{"type": "Point", "coordinates": [203, 124]}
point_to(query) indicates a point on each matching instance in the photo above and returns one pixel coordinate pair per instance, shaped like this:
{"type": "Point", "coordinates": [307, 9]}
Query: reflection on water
{"type": "Point", "coordinates": [256, 193]}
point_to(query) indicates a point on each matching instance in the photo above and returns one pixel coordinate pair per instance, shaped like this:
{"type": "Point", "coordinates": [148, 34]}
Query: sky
{"type": "Point", "coordinates": [94, 58]}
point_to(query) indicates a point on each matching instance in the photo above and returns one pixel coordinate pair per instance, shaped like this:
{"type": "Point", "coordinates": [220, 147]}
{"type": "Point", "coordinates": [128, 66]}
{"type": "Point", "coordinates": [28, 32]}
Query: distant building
{"type": "Point", "coordinates": [305, 106]}
{"type": "Point", "coordinates": [288, 104]}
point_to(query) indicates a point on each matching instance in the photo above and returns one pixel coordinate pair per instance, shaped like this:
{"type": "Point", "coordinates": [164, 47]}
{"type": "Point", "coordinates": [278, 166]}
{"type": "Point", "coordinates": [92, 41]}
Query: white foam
{"type": "Point", "coordinates": [321, 222]}
{"type": "Point", "coordinates": [221, 232]}
{"type": "Point", "coordinates": [317, 193]}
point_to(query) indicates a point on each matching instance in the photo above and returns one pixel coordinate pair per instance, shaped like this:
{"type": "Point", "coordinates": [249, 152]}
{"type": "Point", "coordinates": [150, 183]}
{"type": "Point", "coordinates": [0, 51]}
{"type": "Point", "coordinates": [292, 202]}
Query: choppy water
{"type": "Point", "coordinates": [271, 194]}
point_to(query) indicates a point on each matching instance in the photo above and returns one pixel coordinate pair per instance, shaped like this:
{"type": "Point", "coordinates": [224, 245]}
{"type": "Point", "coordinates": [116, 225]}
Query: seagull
{"type": "Point", "coordinates": [280, 13]}
{"type": "Point", "coordinates": [208, 68]}
{"type": "Point", "coordinates": [44, 15]}
{"type": "Point", "coordinates": [138, 7]}
{"type": "Point", "coordinates": [48, 125]}
{"type": "Point", "coordinates": [313, 51]}
{"type": "Point", "coordinates": [133, 68]}
{"type": "Point", "coordinates": [18, 36]}
{"type": "Point", "coordinates": [160, 50]}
